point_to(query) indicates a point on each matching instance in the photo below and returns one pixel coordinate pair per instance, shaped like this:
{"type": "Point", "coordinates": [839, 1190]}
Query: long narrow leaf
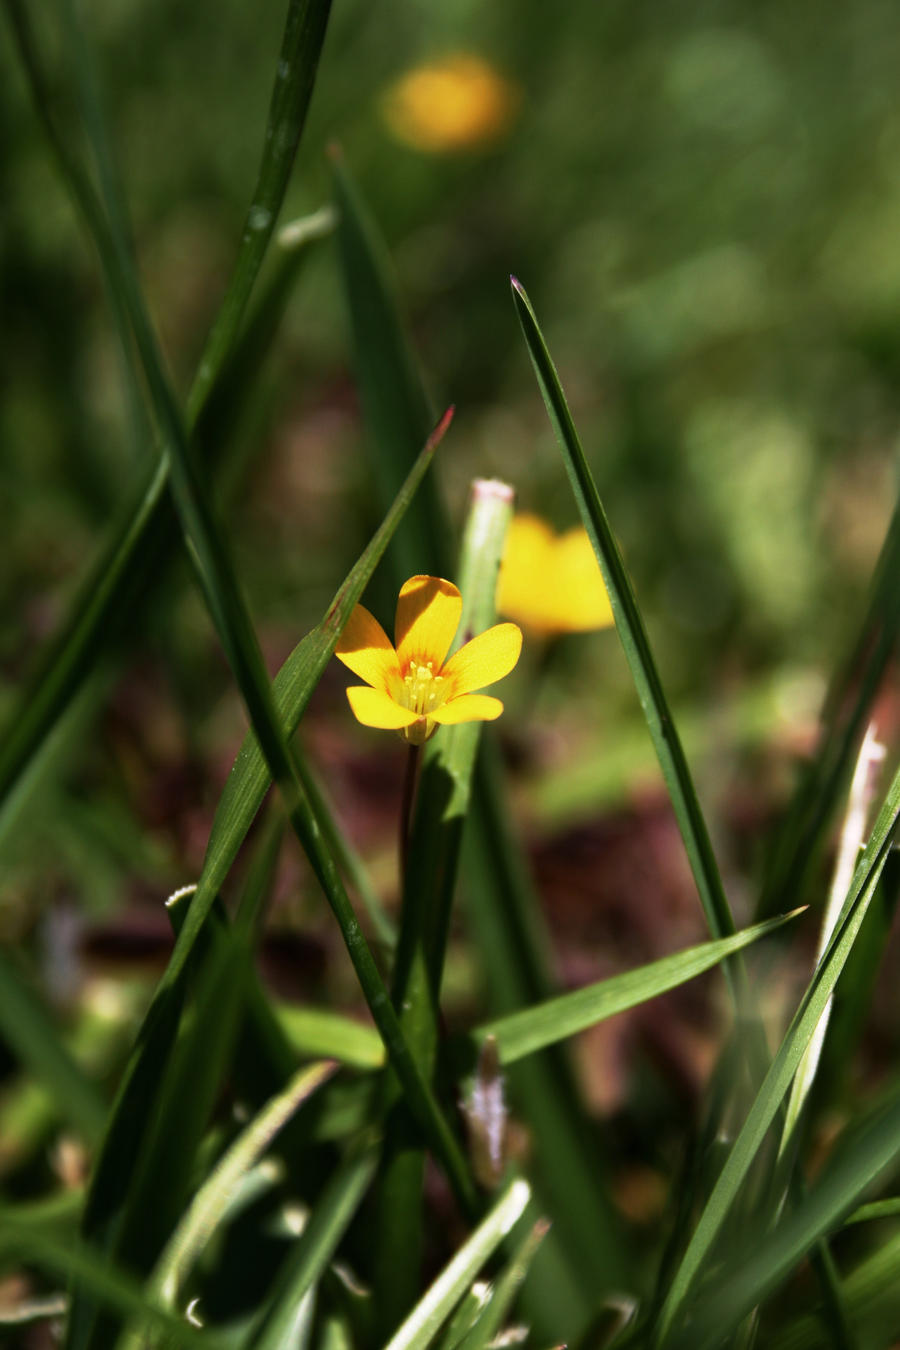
{"type": "Point", "coordinates": [522, 1033]}
{"type": "Point", "coordinates": [435, 1307]}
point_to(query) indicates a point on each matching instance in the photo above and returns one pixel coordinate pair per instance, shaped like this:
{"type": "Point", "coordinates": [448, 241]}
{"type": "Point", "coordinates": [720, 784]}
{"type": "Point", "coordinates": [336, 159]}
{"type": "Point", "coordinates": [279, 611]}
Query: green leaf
{"type": "Point", "coordinates": [522, 1033]}
{"type": "Point", "coordinates": [430, 1313]}
{"type": "Point", "coordinates": [489, 1323]}
{"type": "Point", "coordinates": [784, 1066]}
{"type": "Point", "coordinates": [316, 1031]}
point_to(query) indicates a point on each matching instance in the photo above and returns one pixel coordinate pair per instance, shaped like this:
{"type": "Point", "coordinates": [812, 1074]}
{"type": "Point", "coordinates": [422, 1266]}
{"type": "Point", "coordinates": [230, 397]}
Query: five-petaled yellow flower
{"type": "Point", "coordinates": [413, 687]}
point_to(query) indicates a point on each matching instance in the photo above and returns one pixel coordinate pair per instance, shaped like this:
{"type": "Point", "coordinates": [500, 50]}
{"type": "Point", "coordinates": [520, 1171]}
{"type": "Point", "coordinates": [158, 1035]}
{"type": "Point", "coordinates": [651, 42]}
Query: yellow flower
{"type": "Point", "coordinates": [414, 688]}
{"type": "Point", "coordinates": [551, 583]}
{"type": "Point", "coordinates": [452, 104]}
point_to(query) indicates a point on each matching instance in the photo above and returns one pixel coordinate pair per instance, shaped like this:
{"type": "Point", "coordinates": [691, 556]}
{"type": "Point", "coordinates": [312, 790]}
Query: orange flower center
{"type": "Point", "coordinates": [421, 690]}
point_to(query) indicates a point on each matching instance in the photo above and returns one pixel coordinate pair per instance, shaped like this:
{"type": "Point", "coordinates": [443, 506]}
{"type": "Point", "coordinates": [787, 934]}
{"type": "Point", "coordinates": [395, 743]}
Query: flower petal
{"type": "Point", "coordinates": [469, 708]}
{"type": "Point", "coordinates": [375, 708]}
{"type": "Point", "coordinates": [488, 657]}
{"type": "Point", "coordinates": [428, 613]}
{"type": "Point", "coordinates": [364, 646]}
{"type": "Point", "coordinates": [586, 601]}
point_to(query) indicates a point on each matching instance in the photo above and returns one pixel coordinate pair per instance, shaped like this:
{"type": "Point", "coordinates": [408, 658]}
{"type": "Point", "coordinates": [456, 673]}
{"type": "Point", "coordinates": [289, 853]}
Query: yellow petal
{"type": "Point", "coordinates": [428, 613]}
{"type": "Point", "coordinates": [587, 603]}
{"type": "Point", "coordinates": [488, 657]}
{"type": "Point", "coordinates": [551, 584]}
{"type": "Point", "coordinates": [375, 708]}
{"type": "Point", "coordinates": [364, 646]}
{"type": "Point", "coordinates": [469, 708]}
{"type": "Point", "coordinates": [527, 586]}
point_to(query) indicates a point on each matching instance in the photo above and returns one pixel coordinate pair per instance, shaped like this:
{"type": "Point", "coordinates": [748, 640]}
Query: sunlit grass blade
{"type": "Point", "coordinates": [210, 1205]}
{"type": "Point", "coordinates": [503, 1291]}
{"type": "Point", "coordinates": [631, 630]}
{"type": "Point", "coordinates": [397, 408]}
{"type": "Point", "coordinates": [790, 1053]}
{"type": "Point", "coordinates": [317, 1031]}
{"type": "Point", "coordinates": [858, 1164]}
{"type": "Point", "coordinates": [430, 1313]}
{"type": "Point", "coordinates": [314, 1249]}
{"type": "Point", "coordinates": [522, 1033]}
{"type": "Point", "coordinates": [29, 1032]}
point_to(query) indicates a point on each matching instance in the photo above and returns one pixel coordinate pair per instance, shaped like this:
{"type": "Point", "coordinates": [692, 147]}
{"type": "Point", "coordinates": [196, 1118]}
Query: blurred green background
{"type": "Point", "coordinates": [703, 201]}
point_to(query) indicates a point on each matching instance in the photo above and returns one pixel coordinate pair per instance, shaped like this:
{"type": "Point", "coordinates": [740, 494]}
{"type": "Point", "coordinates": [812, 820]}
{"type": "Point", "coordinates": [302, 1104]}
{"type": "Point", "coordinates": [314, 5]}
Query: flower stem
{"type": "Point", "coordinates": [410, 781]}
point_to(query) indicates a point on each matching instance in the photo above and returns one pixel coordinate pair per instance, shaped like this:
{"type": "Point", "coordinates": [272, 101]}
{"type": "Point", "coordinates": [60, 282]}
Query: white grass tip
{"type": "Point", "coordinates": [180, 894]}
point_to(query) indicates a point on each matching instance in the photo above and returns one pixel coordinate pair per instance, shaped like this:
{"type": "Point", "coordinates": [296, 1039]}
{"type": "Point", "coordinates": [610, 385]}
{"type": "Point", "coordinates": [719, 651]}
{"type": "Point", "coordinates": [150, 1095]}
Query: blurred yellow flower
{"type": "Point", "coordinates": [551, 583]}
{"type": "Point", "coordinates": [457, 103]}
{"type": "Point", "coordinates": [414, 688]}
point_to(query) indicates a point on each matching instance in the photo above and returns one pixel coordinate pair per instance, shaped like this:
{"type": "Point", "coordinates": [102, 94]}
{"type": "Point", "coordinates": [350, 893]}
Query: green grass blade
{"type": "Point", "coordinates": [316, 1031]}
{"type": "Point", "coordinates": [790, 1053]}
{"type": "Point", "coordinates": [29, 1032]}
{"type": "Point", "coordinates": [522, 1033]}
{"type": "Point", "coordinates": [211, 1202]}
{"type": "Point", "coordinates": [315, 1249]}
{"type": "Point", "coordinates": [430, 1313]}
{"type": "Point", "coordinates": [490, 1322]}
{"type": "Point", "coordinates": [630, 628]}
{"type": "Point", "coordinates": [295, 75]}
{"type": "Point", "coordinates": [397, 409]}
{"type": "Point", "coordinates": [857, 1166]}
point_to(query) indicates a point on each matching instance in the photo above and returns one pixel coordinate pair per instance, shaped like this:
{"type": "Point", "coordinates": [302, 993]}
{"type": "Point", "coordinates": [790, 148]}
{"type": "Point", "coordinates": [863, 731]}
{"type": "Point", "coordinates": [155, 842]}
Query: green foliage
{"type": "Point", "coordinates": [370, 1122]}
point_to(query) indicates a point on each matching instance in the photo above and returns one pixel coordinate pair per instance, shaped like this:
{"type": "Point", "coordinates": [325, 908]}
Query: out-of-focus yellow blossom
{"type": "Point", "coordinates": [457, 103]}
{"type": "Point", "coordinates": [414, 688]}
{"type": "Point", "coordinates": [550, 583]}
